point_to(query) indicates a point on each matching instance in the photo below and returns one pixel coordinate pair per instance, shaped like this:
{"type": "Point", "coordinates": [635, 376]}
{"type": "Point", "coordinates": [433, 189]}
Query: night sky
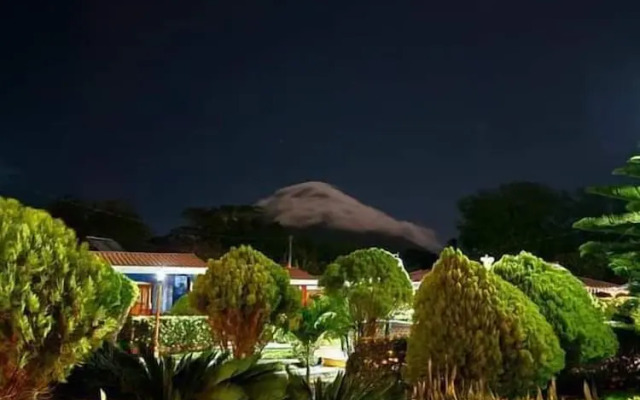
{"type": "Point", "coordinates": [406, 106]}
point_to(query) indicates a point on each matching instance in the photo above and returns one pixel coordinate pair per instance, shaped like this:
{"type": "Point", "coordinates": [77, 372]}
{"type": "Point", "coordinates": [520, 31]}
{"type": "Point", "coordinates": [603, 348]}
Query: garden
{"type": "Point", "coordinates": [522, 327]}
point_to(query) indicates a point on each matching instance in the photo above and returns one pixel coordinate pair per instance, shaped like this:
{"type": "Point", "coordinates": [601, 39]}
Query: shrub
{"type": "Point", "coordinates": [57, 300]}
{"type": "Point", "coordinates": [344, 387]}
{"type": "Point", "coordinates": [178, 334]}
{"type": "Point", "coordinates": [374, 283]}
{"type": "Point", "coordinates": [565, 303]}
{"type": "Point", "coordinates": [443, 385]}
{"type": "Point", "coordinates": [241, 293]}
{"type": "Point", "coordinates": [469, 319]}
{"type": "Point", "coordinates": [377, 358]}
{"type": "Point", "coordinates": [620, 372]}
{"type": "Point", "coordinates": [210, 375]}
{"type": "Point", "coordinates": [183, 307]}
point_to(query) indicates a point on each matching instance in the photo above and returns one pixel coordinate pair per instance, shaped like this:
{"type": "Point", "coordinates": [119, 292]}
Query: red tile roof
{"type": "Point", "coordinates": [596, 284]}
{"type": "Point", "coordinates": [125, 258]}
{"type": "Point", "coordinates": [297, 273]}
{"type": "Point", "coordinates": [416, 276]}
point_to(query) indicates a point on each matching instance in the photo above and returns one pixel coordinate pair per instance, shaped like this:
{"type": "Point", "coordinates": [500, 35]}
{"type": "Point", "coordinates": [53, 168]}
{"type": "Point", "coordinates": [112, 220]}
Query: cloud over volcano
{"type": "Point", "coordinates": [315, 204]}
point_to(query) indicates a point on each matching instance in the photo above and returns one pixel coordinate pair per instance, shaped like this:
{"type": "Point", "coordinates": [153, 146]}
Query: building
{"type": "Point", "coordinates": [307, 283]}
{"type": "Point", "coordinates": [174, 271]}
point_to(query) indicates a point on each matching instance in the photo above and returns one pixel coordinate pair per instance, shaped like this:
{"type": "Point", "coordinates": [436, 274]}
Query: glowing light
{"type": "Point", "coordinates": [160, 275]}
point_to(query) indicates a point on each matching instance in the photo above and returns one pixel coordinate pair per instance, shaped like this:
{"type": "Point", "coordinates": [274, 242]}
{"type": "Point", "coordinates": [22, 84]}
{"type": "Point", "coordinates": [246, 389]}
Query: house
{"type": "Point", "coordinates": [307, 283]}
{"type": "Point", "coordinates": [174, 271]}
{"type": "Point", "coordinates": [605, 289]}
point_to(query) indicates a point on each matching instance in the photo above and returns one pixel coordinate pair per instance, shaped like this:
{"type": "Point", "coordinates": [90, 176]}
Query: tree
{"type": "Point", "coordinates": [58, 301]}
{"type": "Point", "coordinates": [374, 284]}
{"type": "Point", "coordinates": [565, 303]}
{"type": "Point", "coordinates": [470, 319]}
{"type": "Point", "coordinates": [113, 219]}
{"type": "Point", "coordinates": [321, 317]}
{"type": "Point", "coordinates": [620, 240]}
{"type": "Point", "coordinates": [531, 217]}
{"type": "Point", "coordinates": [211, 232]}
{"type": "Point", "coordinates": [240, 293]}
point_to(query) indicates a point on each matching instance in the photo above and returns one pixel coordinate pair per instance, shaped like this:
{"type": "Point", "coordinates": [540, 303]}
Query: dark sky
{"type": "Point", "coordinates": [407, 106]}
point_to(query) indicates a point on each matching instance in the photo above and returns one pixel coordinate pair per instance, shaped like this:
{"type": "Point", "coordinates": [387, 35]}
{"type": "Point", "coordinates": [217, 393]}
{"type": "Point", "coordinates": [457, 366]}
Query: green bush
{"type": "Point", "coordinates": [344, 387]}
{"type": "Point", "coordinates": [374, 284]}
{"type": "Point", "coordinates": [241, 293]}
{"type": "Point", "coordinates": [470, 319]}
{"type": "Point", "coordinates": [58, 301]}
{"type": "Point", "coordinates": [565, 303]}
{"type": "Point", "coordinates": [183, 307]}
{"type": "Point", "coordinates": [178, 334]}
{"type": "Point", "coordinates": [620, 372]}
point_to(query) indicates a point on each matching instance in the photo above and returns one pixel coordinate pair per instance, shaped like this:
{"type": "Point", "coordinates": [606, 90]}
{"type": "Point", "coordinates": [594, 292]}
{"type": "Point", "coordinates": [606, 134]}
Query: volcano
{"type": "Point", "coordinates": [322, 211]}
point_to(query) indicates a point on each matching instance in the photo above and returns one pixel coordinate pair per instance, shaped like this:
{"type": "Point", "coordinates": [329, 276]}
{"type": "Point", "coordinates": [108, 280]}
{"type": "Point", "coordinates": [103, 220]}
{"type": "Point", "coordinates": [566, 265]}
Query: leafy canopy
{"type": "Point", "coordinates": [529, 216]}
{"type": "Point", "coordinates": [241, 293]}
{"type": "Point", "coordinates": [58, 301]}
{"type": "Point", "coordinates": [373, 282]}
{"type": "Point", "coordinates": [322, 317]}
{"type": "Point", "coordinates": [470, 319]}
{"type": "Point", "coordinates": [565, 303]}
{"type": "Point", "coordinates": [621, 241]}
{"type": "Point", "coordinates": [113, 219]}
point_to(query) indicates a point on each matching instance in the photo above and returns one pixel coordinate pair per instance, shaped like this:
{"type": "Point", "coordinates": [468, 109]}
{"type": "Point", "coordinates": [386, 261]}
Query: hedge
{"type": "Point", "coordinates": [177, 333]}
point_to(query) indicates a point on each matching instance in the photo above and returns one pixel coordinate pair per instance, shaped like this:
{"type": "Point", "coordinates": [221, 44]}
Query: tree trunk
{"type": "Point", "coordinates": [370, 328]}
{"type": "Point", "coordinates": [308, 355]}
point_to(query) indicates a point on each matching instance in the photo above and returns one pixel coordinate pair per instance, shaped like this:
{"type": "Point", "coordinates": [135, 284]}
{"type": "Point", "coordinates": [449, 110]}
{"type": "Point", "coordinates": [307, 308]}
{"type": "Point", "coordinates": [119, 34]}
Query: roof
{"type": "Point", "coordinates": [596, 284]}
{"type": "Point", "coordinates": [139, 259]}
{"type": "Point", "coordinates": [416, 276]}
{"type": "Point", "coordinates": [103, 244]}
{"type": "Point", "coordinates": [297, 273]}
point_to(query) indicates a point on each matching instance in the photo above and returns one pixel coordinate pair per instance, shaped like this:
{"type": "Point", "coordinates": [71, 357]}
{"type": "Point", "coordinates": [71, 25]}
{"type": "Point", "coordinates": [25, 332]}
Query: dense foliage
{"type": "Point", "coordinates": [621, 246]}
{"type": "Point", "coordinates": [178, 334]}
{"type": "Point", "coordinates": [533, 217]}
{"type": "Point", "coordinates": [322, 317]}
{"type": "Point", "coordinates": [620, 372]}
{"type": "Point", "coordinates": [209, 375]}
{"type": "Point", "coordinates": [241, 293]}
{"type": "Point", "coordinates": [565, 303]}
{"type": "Point", "coordinates": [114, 219]}
{"type": "Point", "coordinates": [345, 387]}
{"type": "Point", "coordinates": [183, 307]}
{"type": "Point", "coordinates": [470, 319]}
{"type": "Point", "coordinates": [377, 358]}
{"type": "Point", "coordinates": [374, 284]}
{"type": "Point", "coordinates": [57, 300]}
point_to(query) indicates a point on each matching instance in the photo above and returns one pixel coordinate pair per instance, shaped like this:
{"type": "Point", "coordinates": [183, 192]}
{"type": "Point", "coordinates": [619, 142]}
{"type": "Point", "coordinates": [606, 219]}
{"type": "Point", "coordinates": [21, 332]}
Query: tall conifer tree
{"type": "Point", "coordinates": [621, 242]}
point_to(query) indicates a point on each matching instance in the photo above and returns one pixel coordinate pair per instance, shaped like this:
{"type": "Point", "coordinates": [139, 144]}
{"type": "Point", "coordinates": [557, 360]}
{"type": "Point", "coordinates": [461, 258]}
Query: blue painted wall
{"type": "Point", "coordinates": [174, 287]}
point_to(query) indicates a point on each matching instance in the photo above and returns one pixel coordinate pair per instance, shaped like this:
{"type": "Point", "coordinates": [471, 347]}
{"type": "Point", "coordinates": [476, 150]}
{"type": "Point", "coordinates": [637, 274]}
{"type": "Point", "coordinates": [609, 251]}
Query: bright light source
{"type": "Point", "coordinates": [160, 275]}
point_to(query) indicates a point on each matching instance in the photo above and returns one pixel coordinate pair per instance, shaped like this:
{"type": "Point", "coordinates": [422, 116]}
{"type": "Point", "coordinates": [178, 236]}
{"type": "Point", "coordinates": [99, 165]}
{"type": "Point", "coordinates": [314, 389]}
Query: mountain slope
{"type": "Point", "coordinates": [322, 210]}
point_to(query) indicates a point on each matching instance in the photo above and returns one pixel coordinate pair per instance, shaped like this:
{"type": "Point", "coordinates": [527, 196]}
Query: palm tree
{"type": "Point", "coordinates": [322, 317]}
